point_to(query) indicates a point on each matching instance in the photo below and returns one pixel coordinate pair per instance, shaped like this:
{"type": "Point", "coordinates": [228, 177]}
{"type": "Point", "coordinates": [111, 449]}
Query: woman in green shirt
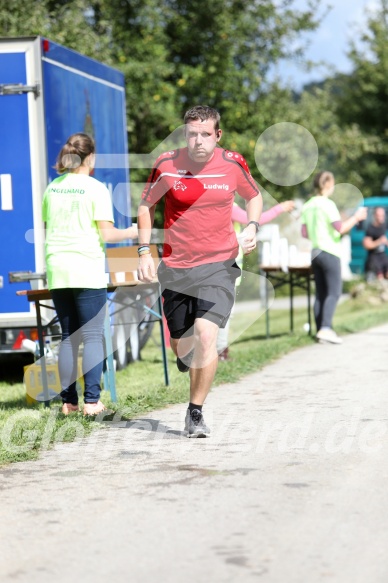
{"type": "Point", "coordinates": [321, 223]}
{"type": "Point", "coordinates": [78, 216]}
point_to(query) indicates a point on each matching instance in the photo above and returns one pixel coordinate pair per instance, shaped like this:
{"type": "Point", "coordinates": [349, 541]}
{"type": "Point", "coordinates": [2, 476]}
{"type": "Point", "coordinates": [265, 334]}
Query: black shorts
{"type": "Point", "coordinates": [378, 263]}
{"type": "Point", "coordinates": [205, 291]}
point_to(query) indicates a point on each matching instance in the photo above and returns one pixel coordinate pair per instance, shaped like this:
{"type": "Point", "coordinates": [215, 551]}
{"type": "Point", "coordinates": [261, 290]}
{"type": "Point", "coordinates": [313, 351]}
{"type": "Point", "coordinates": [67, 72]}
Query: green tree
{"type": "Point", "coordinates": [223, 52]}
{"type": "Point", "coordinates": [347, 115]}
{"type": "Point", "coordinates": [67, 22]}
{"type": "Point", "coordinates": [176, 53]}
{"type": "Point", "coordinates": [139, 46]}
{"type": "Point", "coordinates": [363, 96]}
{"type": "Point", "coordinates": [346, 149]}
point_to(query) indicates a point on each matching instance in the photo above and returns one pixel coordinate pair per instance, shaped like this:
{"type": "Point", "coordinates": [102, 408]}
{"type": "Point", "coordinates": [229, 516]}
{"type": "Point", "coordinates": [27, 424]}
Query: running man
{"type": "Point", "coordinates": [198, 269]}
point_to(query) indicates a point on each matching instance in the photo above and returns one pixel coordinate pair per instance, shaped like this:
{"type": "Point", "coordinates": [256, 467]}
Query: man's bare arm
{"type": "Point", "coordinates": [145, 219]}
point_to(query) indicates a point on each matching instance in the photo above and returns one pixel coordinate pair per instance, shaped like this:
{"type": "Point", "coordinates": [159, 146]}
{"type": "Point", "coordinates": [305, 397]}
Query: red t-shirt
{"type": "Point", "coordinates": [198, 204]}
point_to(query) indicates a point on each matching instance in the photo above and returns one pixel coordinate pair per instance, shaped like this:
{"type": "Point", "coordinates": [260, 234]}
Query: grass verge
{"type": "Point", "coordinates": [25, 431]}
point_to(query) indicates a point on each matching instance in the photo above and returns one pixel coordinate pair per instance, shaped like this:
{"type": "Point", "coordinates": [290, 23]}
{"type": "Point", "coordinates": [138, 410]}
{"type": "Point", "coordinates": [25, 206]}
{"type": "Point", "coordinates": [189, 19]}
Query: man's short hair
{"type": "Point", "coordinates": [203, 113]}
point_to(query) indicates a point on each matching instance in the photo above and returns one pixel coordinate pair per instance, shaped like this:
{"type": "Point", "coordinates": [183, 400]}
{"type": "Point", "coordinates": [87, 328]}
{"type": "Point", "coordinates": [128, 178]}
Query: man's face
{"type": "Point", "coordinates": [380, 216]}
{"type": "Point", "coordinates": [201, 139]}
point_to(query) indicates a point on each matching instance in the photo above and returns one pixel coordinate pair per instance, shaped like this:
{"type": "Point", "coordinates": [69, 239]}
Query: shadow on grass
{"type": "Point", "coordinates": [15, 403]}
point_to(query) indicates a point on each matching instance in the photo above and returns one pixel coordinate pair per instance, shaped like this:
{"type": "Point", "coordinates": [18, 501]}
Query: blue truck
{"type": "Point", "coordinates": [48, 92]}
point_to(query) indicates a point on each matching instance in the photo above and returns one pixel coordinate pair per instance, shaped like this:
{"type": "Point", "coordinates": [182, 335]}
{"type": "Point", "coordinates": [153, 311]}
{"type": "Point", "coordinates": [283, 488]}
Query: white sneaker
{"type": "Point", "coordinates": [328, 335]}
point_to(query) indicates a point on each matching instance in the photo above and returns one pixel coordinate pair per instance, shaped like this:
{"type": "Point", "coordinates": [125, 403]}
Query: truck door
{"type": "Point", "coordinates": [21, 162]}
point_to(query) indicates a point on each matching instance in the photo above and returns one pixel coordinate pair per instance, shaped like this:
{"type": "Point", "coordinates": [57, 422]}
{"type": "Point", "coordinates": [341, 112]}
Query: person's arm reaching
{"type": "Point", "coordinates": [344, 227]}
{"type": "Point", "coordinates": [241, 216]}
{"type": "Point", "coordinates": [275, 211]}
{"type": "Point", "coordinates": [110, 234]}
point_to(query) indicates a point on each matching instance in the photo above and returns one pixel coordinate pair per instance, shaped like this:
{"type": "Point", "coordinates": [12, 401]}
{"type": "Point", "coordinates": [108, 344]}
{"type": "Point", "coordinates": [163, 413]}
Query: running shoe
{"type": "Point", "coordinates": [195, 424]}
{"type": "Point", "coordinates": [328, 335]}
{"type": "Point", "coordinates": [182, 366]}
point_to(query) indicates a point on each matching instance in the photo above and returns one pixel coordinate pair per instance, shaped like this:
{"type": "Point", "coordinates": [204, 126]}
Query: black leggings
{"type": "Point", "coordinates": [328, 286]}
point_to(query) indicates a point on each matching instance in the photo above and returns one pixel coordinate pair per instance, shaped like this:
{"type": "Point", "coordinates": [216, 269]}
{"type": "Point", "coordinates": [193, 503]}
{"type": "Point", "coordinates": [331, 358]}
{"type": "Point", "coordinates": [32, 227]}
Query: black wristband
{"type": "Point", "coordinates": [256, 225]}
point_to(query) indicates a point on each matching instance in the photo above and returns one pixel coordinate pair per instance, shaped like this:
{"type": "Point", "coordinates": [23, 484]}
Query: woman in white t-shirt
{"type": "Point", "coordinates": [77, 212]}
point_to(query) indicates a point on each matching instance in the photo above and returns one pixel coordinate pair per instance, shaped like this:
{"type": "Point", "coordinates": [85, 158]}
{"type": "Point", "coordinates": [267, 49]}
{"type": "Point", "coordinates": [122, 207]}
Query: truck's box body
{"type": "Point", "coordinates": [48, 92]}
